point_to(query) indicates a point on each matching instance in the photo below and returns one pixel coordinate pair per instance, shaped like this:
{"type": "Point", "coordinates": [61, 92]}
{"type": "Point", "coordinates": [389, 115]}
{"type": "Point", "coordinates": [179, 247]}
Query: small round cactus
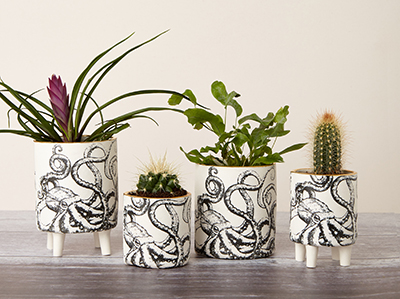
{"type": "Point", "coordinates": [159, 178]}
{"type": "Point", "coordinates": [327, 144]}
{"type": "Point", "coordinates": [156, 182]}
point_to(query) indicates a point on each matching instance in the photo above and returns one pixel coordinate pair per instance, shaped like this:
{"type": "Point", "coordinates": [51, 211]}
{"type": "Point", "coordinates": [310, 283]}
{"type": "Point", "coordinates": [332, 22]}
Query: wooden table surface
{"type": "Point", "coordinates": [28, 270]}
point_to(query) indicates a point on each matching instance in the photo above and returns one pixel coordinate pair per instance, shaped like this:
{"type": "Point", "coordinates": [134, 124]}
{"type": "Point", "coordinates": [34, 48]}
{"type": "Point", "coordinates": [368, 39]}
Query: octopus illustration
{"type": "Point", "coordinates": [146, 250]}
{"type": "Point", "coordinates": [322, 227]}
{"type": "Point", "coordinates": [251, 238]}
{"type": "Point", "coordinates": [61, 209]}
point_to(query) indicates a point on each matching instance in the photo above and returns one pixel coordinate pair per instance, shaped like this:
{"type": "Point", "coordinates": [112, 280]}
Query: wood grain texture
{"type": "Point", "coordinates": [28, 270]}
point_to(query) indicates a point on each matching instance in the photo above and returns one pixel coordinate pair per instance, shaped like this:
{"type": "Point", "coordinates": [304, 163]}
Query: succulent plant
{"type": "Point", "coordinates": [159, 177]}
{"type": "Point", "coordinates": [327, 144]}
{"type": "Point", "coordinates": [155, 182]}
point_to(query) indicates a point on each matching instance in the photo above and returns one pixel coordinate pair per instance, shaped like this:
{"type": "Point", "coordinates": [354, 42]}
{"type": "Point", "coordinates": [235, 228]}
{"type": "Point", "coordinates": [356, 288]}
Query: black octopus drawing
{"type": "Point", "coordinates": [321, 226]}
{"type": "Point", "coordinates": [148, 251]}
{"type": "Point", "coordinates": [72, 213]}
{"type": "Point", "coordinates": [252, 238]}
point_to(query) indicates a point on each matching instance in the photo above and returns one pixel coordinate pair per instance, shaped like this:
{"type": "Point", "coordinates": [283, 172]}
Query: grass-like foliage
{"type": "Point", "coordinates": [243, 145]}
{"type": "Point", "coordinates": [64, 121]}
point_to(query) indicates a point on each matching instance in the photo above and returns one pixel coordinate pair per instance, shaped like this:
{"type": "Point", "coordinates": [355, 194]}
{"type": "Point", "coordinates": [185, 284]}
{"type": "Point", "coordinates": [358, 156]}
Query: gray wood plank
{"type": "Point", "coordinates": [27, 269]}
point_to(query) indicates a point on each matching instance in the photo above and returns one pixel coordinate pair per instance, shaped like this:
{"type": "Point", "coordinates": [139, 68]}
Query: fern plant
{"type": "Point", "coordinates": [241, 145]}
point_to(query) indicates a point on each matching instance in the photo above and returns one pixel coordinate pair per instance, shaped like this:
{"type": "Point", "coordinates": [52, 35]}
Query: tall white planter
{"type": "Point", "coordinates": [156, 231]}
{"type": "Point", "coordinates": [77, 190]}
{"type": "Point", "coordinates": [235, 211]}
{"type": "Point", "coordinates": [323, 213]}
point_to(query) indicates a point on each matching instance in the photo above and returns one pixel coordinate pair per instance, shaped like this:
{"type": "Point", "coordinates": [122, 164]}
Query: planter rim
{"type": "Point", "coordinates": [227, 166]}
{"type": "Point", "coordinates": [81, 142]}
{"type": "Point", "coordinates": [130, 195]}
{"type": "Point", "coordinates": [309, 171]}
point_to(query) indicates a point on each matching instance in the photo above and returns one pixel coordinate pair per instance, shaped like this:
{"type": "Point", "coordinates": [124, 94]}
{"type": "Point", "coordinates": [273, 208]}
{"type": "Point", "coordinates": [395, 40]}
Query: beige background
{"type": "Point", "coordinates": [310, 55]}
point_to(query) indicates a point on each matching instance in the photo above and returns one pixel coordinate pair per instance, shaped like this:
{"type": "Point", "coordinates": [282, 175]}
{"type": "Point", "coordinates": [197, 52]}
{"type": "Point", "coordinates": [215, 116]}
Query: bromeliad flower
{"type": "Point", "coordinates": [59, 100]}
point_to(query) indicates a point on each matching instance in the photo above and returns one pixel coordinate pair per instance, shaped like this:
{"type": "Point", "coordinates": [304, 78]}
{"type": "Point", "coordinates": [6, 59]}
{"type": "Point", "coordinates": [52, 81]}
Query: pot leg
{"type": "Point", "coordinates": [96, 240]}
{"type": "Point", "coordinates": [335, 253]}
{"type": "Point", "coordinates": [312, 254]}
{"type": "Point", "coordinates": [50, 241]}
{"type": "Point", "coordinates": [105, 243]}
{"type": "Point", "coordinates": [58, 243]}
{"type": "Point", "coordinates": [345, 255]}
{"type": "Point", "coordinates": [299, 252]}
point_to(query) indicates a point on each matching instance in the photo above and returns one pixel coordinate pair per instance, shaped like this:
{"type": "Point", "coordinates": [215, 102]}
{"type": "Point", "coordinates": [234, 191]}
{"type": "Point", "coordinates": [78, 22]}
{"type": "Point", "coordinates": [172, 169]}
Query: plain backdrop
{"type": "Point", "coordinates": [310, 55]}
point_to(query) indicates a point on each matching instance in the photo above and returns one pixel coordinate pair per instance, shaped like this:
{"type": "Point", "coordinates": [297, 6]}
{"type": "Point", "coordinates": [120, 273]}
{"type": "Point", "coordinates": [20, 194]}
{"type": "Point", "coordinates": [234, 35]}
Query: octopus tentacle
{"type": "Point", "coordinates": [214, 185]}
{"type": "Point", "coordinates": [270, 221]}
{"type": "Point", "coordinates": [244, 240]}
{"type": "Point", "coordinates": [248, 218]}
{"type": "Point", "coordinates": [144, 250]}
{"type": "Point", "coordinates": [317, 184]}
{"type": "Point", "coordinates": [243, 191]}
{"type": "Point", "coordinates": [110, 165]}
{"type": "Point", "coordinates": [61, 166]}
{"type": "Point", "coordinates": [171, 231]}
{"type": "Point", "coordinates": [96, 187]}
{"type": "Point", "coordinates": [89, 162]}
{"type": "Point", "coordinates": [337, 197]}
{"type": "Point", "coordinates": [215, 191]}
{"type": "Point", "coordinates": [139, 205]}
{"type": "Point", "coordinates": [349, 206]}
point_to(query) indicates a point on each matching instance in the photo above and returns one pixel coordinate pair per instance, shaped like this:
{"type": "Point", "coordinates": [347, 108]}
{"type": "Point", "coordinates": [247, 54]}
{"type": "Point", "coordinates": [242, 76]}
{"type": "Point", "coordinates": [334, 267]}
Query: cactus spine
{"type": "Point", "coordinates": [328, 141]}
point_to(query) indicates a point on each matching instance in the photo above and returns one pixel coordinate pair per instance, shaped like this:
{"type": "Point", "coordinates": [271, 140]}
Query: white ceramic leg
{"type": "Point", "coordinates": [96, 240]}
{"type": "Point", "coordinates": [335, 253]}
{"type": "Point", "coordinates": [299, 252]}
{"type": "Point", "coordinates": [345, 255]}
{"type": "Point", "coordinates": [105, 243]}
{"type": "Point", "coordinates": [50, 241]}
{"type": "Point", "coordinates": [312, 254]}
{"type": "Point", "coordinates": [58, 244]}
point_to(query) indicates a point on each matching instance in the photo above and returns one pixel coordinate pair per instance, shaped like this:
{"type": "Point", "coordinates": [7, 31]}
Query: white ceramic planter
{"type": "Point", "coordinates": [323, 213]}
{"type": "Point", "coordinates": [235, 211]}
{"type": "Point", "coordinates": [77, 191]}
{"type": "Point", "coordinates": [156, 231]}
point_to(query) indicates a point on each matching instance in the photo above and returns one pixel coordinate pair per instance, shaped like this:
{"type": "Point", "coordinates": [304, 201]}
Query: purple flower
{"type": "Point", "coordinates": [59, 100]}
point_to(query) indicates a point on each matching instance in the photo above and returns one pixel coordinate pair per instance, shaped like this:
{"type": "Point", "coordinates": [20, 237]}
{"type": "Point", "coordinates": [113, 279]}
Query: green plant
{"type": "Point", "coordinates": [242, 145]}
{"type": "Point", "coordinates": [65, 121]}
{"type": "Point", "coordinates": [327, 139]}
{"type": "Point", "coordinates": [154, 182]}
{"type": "Point", "coordinates": [158, 179]}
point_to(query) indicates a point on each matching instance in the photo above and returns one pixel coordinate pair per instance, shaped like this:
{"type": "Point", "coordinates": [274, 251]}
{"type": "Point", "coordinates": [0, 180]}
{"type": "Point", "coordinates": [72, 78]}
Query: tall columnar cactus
{"type": "Point", "coordinates": [327, 144]}
{"type": "Point", "coordinates": [156, 182]}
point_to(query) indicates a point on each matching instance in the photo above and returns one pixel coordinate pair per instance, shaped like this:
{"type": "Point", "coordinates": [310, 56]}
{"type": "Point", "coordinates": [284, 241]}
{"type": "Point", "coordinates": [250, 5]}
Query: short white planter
{"type": "Point", "coordinates": [323, 213]}
{"type": "Point", "coordinates": [156, 231]}
{"type": "Point", "coordinates": [235, 211]}
{"type": "Point", "coordinates": [77, 191]}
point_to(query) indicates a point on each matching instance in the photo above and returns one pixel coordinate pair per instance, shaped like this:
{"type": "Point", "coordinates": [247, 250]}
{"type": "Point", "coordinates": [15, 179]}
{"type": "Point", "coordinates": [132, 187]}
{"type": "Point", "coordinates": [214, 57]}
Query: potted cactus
{"type": "Point", "coordinates": [323, 198]}
{"type": "Point", "coordinates": [235, 178]}
{"type": "Point", "coordinates": [156, 225]}
{"type": "Point", "coordinates": [75, 170]}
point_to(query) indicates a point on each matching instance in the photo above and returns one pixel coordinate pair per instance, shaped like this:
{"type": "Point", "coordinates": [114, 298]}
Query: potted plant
{"type": "Point", "coordinates": [323, 198]}
{"type": "Point", "coordinates": [75, 171]}
{"type": "Point", "coordinates": [156, 225]}
{"type": "Point", "coordinates": [235, 178]}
